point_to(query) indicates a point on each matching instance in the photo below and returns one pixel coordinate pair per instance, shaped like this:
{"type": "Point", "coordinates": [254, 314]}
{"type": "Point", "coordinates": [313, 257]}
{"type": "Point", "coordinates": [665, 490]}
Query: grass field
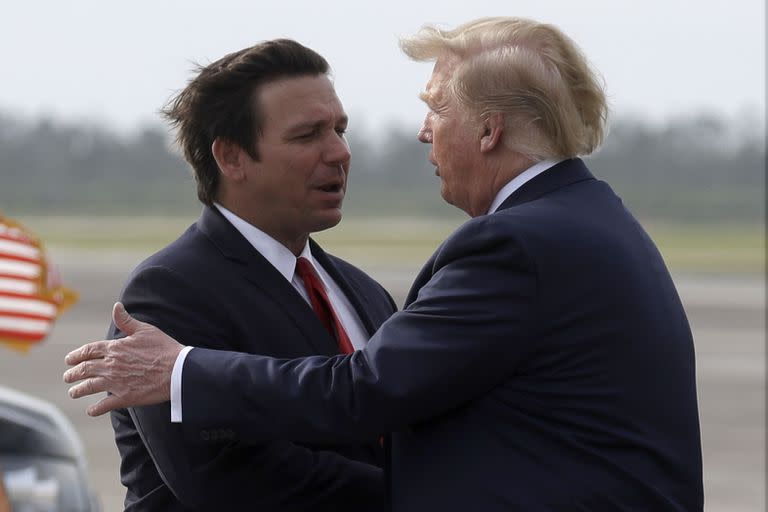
{"type": "Point", "coordinates": [707, 249]}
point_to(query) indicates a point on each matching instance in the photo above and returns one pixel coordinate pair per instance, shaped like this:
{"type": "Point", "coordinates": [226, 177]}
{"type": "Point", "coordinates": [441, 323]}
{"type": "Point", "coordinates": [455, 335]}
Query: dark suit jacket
{"type": "Point", "coordinates": [543, 362]}
{"type": "Point", "coordinates": [211, 288]}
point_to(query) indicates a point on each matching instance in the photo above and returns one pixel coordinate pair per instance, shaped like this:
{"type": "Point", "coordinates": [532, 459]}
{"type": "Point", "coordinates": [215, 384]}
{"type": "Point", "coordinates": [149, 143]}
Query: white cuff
{"type": "Point", "coordinates": [176, 385]}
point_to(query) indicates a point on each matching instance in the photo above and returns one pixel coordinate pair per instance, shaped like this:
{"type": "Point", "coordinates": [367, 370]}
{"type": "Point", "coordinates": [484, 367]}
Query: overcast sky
{"type": "Point", "coordinates": [116, 63]}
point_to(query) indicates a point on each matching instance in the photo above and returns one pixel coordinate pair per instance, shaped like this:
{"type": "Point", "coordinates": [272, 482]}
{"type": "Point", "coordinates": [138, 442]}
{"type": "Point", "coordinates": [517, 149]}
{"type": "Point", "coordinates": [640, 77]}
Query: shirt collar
{"type": "Point", "coordinates": [273, 251]}
{"type": "Point", "coordinates": [519, 180]}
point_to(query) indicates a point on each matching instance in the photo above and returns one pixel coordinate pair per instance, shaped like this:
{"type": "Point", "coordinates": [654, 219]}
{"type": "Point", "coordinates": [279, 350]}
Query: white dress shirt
{"type": "Point", "coordinates": [285, 263]}
{"type": "Point", "coordinates": [519, 180]}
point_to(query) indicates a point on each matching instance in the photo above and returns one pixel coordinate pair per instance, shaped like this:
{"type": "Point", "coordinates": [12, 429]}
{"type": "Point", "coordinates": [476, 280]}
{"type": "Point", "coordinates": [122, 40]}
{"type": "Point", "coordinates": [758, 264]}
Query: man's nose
{"type": "Point", "coordinates": [337, 150]}
{"type": "Point", "coordinates": [425, 133]}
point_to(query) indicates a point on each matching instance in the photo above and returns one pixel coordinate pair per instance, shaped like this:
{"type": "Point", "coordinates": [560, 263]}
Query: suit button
{"type": "Point", "coordinates": [204, 435]}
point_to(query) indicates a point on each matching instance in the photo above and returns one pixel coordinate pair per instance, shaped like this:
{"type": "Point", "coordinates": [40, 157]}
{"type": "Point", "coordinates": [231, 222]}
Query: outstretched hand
{"type": "Point", "coordinates": [135, 370]}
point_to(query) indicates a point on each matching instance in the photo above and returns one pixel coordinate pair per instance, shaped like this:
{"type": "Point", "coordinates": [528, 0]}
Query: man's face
{"type": "Point", "coordinates": [453, 137]}
{"type": "Point", "coordinates": [297, 185]}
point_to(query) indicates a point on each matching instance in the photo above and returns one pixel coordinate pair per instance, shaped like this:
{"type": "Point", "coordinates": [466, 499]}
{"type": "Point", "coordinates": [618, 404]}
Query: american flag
{"type": "Point", "coordinates": [31, 294]}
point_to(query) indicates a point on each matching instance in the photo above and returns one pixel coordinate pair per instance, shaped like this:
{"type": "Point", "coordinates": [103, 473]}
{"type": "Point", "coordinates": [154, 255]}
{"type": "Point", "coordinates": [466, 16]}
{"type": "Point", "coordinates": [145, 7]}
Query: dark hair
{"type": "Point", "coordinates": [221, 101]}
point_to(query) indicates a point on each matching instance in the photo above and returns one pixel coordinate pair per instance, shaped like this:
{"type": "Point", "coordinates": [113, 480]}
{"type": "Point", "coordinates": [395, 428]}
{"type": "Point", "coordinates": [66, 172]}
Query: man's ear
{"type": "Point", "coordinates": [493, 129]}
{"type": "Point", "coordinates": [229, 157]}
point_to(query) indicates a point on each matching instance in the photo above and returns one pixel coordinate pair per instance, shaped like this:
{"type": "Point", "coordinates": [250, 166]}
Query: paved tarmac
{"type": "Point", "coordinates": [727, 314]}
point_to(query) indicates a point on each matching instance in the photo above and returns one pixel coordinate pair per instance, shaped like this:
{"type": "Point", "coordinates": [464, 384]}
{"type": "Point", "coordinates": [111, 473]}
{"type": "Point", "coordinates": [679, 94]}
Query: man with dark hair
{"type": "Point", "coordinates": [543, 361]}
{"type": "Point", "coordinates": [264, 132]}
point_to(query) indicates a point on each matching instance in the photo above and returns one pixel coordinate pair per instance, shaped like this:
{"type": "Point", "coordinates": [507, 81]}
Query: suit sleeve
{"type": "Point", "coordinates": [204, 471]}
{"type": "Point", "coordinates": [465, 333]}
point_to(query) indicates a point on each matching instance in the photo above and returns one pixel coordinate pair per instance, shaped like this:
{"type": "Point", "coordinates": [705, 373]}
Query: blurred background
{"type": "Point", "coordinates": [86, 164]}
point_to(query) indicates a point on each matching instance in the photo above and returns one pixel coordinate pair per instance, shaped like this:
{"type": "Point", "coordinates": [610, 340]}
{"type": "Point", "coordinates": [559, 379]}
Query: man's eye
{"type": "Point", "coordinates": [341, 131]}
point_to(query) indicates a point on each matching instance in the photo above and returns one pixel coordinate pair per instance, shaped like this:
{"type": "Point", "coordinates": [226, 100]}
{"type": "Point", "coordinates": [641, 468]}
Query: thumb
{"type": "Point", "coordinates": [123, 320]}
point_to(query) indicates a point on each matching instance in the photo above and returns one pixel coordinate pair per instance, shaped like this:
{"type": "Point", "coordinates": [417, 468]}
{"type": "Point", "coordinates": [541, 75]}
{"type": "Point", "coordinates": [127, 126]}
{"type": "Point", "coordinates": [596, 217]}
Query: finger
{"type": "Point", "coordinates": [93, 350]}
{"type": "Point", "coordinates": [110, 403]}
{"type": "Point", "coordinates": [84, 370]}
{"type": "Point", "coordinates": [124, 321]}
{"type": "Point", "coordinates": [89, 387]}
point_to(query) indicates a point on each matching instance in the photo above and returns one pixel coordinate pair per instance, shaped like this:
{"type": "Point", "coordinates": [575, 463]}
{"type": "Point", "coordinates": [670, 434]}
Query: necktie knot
{"type": "Point", "coordinates": [305, 270]}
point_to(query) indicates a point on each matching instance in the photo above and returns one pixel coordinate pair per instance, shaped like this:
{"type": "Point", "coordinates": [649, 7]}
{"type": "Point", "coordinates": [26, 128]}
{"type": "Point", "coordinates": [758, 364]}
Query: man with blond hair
{"type": "Point", "coordinates": [543, 360]}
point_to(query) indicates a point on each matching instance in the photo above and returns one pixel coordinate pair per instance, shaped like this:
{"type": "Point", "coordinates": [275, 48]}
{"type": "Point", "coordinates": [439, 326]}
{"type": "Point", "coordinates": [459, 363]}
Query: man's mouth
{"type": "Point", "coordinates": [332, 188]}
{"type": "Point", "coordinates": [437, 167]}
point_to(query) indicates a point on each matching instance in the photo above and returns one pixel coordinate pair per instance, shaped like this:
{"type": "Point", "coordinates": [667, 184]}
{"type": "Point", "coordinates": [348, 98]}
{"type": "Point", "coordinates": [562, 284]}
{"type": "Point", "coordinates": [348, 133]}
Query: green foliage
{"type": "Point", "coordinates": [696, 170]}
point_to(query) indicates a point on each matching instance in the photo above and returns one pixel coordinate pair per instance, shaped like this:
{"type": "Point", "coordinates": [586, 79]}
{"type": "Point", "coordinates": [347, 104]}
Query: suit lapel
{"type": "Point", "coordinates": [260, 272]}
{"type": "Point", "coordinates": [358, 299]}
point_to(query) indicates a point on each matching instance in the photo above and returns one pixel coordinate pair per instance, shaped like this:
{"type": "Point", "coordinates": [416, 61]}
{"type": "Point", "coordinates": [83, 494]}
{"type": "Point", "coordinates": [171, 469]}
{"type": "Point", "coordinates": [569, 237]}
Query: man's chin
{"type": "Point", "coordinates": [445, 194]}
{"type": "Point", "coordinates": [448, 199]}
{"type": "Point", "coordinates": [329, 219]}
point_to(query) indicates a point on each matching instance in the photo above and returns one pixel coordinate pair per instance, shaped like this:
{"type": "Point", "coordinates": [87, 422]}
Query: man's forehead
{"type": "Point", "coordinates": [301, 100]}
{"type": "Point", "coordinates": [290, 90]}
{"type": "Point", "coordinates": [441, 74]}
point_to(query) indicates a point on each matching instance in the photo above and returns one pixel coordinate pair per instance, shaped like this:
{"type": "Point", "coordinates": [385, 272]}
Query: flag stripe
{"type": "Point", "coordinates": [23, 336]}
{"type": "Point", "coordinates": [14, 257]}
{"type": "Point", "coordinates": [18, 248]}
{"type": "Point", "coordinates": [16, 237]}
{"type": "Point", "coordinates": [24, 325]}
{"type": "Point", "coordinates": [32, 305]}
{"type": "Point", "coordinates": [13, 233]}
{"type": "Point", "coordinates": [29, 316]}
{"type": "Point", "coordinates": [12, 284]}
{"type": "Point", "coordinates": [18, 268]}
{"type": "Point", "coordinates": [34, 296]}
{"type": "Point", "coordinates": [18, 277]}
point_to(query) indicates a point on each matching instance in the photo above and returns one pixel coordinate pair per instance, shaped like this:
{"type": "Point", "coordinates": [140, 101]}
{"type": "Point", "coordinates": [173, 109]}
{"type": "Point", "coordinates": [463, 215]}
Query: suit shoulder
{"type": "Point", "coordinates": [487, 232]}
{"type": "Point", "coordinates": [178, 266]}
{"type": "Point", "coordinates": [488, 240]}
{"type": "Point", "coordinates": [186, 252]}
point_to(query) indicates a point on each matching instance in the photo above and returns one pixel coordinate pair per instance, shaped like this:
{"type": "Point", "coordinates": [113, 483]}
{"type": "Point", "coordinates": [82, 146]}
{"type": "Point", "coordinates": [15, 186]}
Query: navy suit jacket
{"type": "Point", "coordinates": [543, 362]}
{"type": "Point", "coordinates": [211, 288]}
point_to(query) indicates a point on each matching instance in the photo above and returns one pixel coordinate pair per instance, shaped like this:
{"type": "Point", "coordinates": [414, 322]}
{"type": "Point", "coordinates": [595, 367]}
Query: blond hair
{"type": "Point", "coordinates": [553, 103]}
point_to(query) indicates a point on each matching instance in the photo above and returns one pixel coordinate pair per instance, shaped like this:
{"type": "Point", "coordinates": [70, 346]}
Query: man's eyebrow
{"type": "Point", "coordinates": [305, 125]}
{"type": "Point", "coordinates": [433, 101]}
{"type": "Point", "coordinates": [315, 124]}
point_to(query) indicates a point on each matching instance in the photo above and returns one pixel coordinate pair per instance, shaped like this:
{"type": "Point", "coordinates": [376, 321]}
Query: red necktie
{"type": "Point", "coordinates": [322, 305]}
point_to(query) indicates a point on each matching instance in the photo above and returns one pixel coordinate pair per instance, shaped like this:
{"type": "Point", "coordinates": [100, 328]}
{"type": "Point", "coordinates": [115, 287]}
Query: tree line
{"type": "Point", "coordinates": [698, 169]}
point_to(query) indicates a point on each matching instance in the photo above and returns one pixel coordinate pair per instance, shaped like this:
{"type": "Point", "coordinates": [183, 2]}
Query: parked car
{"type": "Point", "coordinates": [42, 462]}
